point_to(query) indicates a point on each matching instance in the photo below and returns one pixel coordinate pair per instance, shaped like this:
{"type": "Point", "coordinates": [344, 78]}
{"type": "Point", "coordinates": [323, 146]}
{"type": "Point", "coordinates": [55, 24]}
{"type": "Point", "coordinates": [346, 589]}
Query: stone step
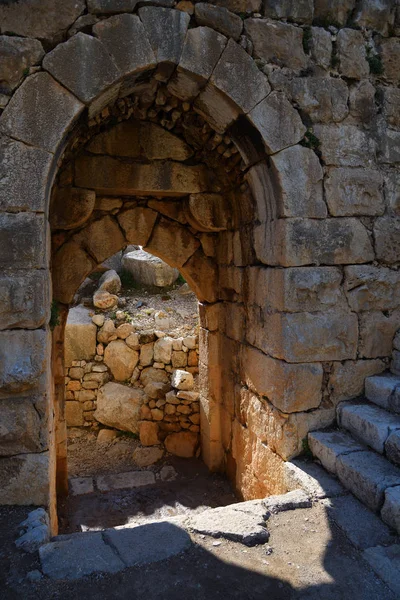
{"type": "Point", "coordinates": [384, 390]}
{"type": "Point", "coordinates": [371, 425]}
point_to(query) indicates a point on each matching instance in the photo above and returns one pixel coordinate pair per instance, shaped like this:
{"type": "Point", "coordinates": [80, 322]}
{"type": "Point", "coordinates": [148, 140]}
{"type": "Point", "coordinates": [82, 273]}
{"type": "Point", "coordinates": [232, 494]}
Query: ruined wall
{"type": "Point", "coordinates": [306, 285]}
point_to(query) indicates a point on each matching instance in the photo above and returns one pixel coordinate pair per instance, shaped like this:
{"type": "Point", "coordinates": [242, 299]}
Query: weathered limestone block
{"type": "Point", "coordinates": [101, 238]}
{"type": "Point", "coordinates": [387, 239]}
{"type": "Point", "coordinates": [298, 11]}
{"type": "Point", "coordinates": [71, 207]}
{"type": "Point", "coordinates": [278, 122]}
{"type": "Point", "coordinates": [277, 43]}
{"type": "Point", "coordinates": [163, 350]}
{"type": "Point", "coordinates": [345, 145]}
{"type": "Point", "coordinates": [17, 55]}
{"type": "Point", "coordinates": [148, 432]}
{"type": "Point", "coordinates": [184, 443]}
{"type": "Point", "coordinates": [378, 16]}
{"type": "Point", "coordinates": [138, 224]}
{"type": "Point", "coordinates": [218, 110]}
{"type": "Point", "coordinates": [24, 299]}
{"type": "Point", "coordinates": [391, 102]}
{"type": "Point", "coordinates": [354, 192]}
{"type": "Point", "coordinates": [120, 359]}
{"type": "Point", "coordinates": [333, 12]}
{"type": "Point", "coordinates": [392, 192]}
{"type": "Point", "coordinates": [290, 388]}
{"type": "Point", "coordinates": [202, 275]}
{"type": "Point", "coordinates": [21, 429]}
{"type": "Point", "coordinates": [182, 380]}
{"type": "Point", "coordinates": [70, 265]}
{"type": "Point", "coordinates": [352, 54]}
{"type": "Point", "coordinates": [93, 57]}
{"type": "Point", "coordinates": [372, 288]}
{"type": "Point", "coordinates": [166, 30]}
{"type": "Point", "coordinates": [40, 112]}
{"type": "Point", "coordinates": [42, 19]}
{"type": "Point", "coordinates": [24, 172]}
{"type": "Point", "coordinates": [297, 242]}
{"type": "Point", "coordinates": [307, 289]}
{"type": "Point", "coordinates": [119, 406]}
{"type": "Point", "coordinates": [321, 47]}
{"type": "Point", "coordinates": [377, 330]}
{"type": "Point", "coordinates": [74, 414]}
{"type": "Point", "coordinates": [220, 19]}
{"type": "Point", "coordinates": [109, 176]}
{"type": "Point", "coordinates": [172, 242]}
{"type": "Point", "coordinates": [362, 101]}
{"type": "Point", "coordinates": [390, 55]}
{"type": "Point", "coordinates": [323, 99]}
{"type": "Point", "coordinates": [237, 76]}
{"type": "Point", "coordinates": [105, 7]}
{"type": "Point", "coordinates": [300, 196]}
{"type": "Point", "coordinates": [23, 241]}
{"type": "Point", "coordinates": [149, 270]}
{"type": "Point", "coordinates": [208, 212]}
{"type": "Point", "coordinates": [25, 479]}
{"type": "Point", "coordinates": [80, 336]}
{"type": "Point", "coordinates": [307, 337]}
{"type": "Point", "coordinates": [347, 379]}
{"type": "Point", "coordinates": [201, 52]}
{"type": "Point", "coordinates": [24, 357]}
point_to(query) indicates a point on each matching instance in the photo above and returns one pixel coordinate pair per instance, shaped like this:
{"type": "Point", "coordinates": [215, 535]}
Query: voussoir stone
{"type": "Point", "coordinates": [71, 207]}
{"type": "Point", "coordinates": [166, 29]}
{"type": "Point", "coordinates": [172, 242]}
{"type": "Point", "coordinates": [219, 18]}
{"type": "Point", "coordinates": [278, 122]}
{"type": "Point", "coordinates": [42, 19]}
{"type": "Point", "coordinates": [17, 55]}
{"type": "Point", "coordinates": [138, 224]}
{"type": "Point", "coordinates": [119, 406]}
{"type": "Point", "coordinates": [120, 359]}
{"type": "Point", "coordinates": [71, 265]}
{"type": "Point", "coordinates": [208, 212]}
{"type": "Point", "coordinates": [102, 238]}
{"type": "Point", "coordinates": [279, 43]}
{"type": "Point", "coordinates": [93, 58]}
{"type": "Point", "coordinates": [354, 192]}
{"type": "Point", "coordinates": [40, 112]}
{"type": "Point", "coordinates": [390, 54]}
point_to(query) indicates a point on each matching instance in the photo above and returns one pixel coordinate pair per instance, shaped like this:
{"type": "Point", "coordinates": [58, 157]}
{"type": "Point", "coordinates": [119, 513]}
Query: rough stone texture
{"type": "Point", "coordinates": [21, 426]}
{"type": "Point", "coordinates": [384, 391]}
{"type": "Point", "coordinates": [85, 50]}
{"type": "Point", "coordinates": [101, 238]}
{"type": "Point", "coordinates": [289, 501]}
{"type": "Point", "coordinates": [25, 479]}
{"type": "Point", "coordinates": [128, 480]}
{"type": "Point", "coordinates": [387, 239]}
{"type": "Point", "coordinates": [354, 192]}
{"type": "Point", "coordinates": [104, 7]}
{"type": "Point", "coordinates": [80, 336]}
{"type": "Point", "coordinates": [367, 475]}
{"type": "Point", "coordinates": [311, 478]}
{"type": "Point", "coordinates": [138, 224]}
{"type": "Point", "coordinates": [144, 457]}
{"type": "Point", "coordinates": [208, 212]}
{"type": "Point", "coordinates": [347, 379]}
{"type": "Point", "coordinates": [24, 356]}
{"type": "Point", "coordinates": [148, 432]}
{"type": "Point", "coordinates": [391, 100]}
{"type": "Point", "coordinates": [278, 43]}
{"type": "Point", "coordinates": [362, 101]}
{"type": "Point", "coordinates": [323, 99]}
{"type": "Point", "coordinates": [390, 54]}
{"type": "Point", "coordinates": [111, 282]}
{"type": "Point", "coordinates": [391, 509]}
{"type": "Point", "coordinates": [237, 76]}
{"type": "Point", "coordinates": [328, 446]}
{"type": "Point", "coordinates": [18, 55]}
{"type": "Point", "coordinates": [300, 197]}
{"type": "Point", "coordinates": [378, 16]}
{"type": "Point", "coordinates": [119, 406]}
{"type": "Point", "coordinates": [149, 270]}
{"type": "Point", "coordinates": [71, 207]}
{"type": "Point", "coordinates": [219, 18]}
{"type": "Point", "coordinates": [71, 265]}
{"type": "Point", "coordinates": [321, 47]}
{"type": "Point", "coordinates": [218, 110]}
{"type": "Point", "coordinates": [299, 12]}
{"type": "Point", "coordinates": [377, 330]}
{"type": "Point", "coordinates": [372, 288]}
{"type": "Point", "coordinates": [24, 299]}
{"type": "Point", "coordinates": [182, 380]}
{"type": "Point", "coordinates": [352, 54]}
{"type": "Point", "coordinates": [183, 443]}
{"type": "Point", "coordinates": [368, 423]}
{"type": "Point", "coordinates": [166, 30]}
{"type": "Point", "coordinates": [385, 561]}
{"type": "Point", "coordinates": [43, 19]}
{"type": "Point", "coordinates": [104, 300]}
{"type": "Point", "coordinates": [172, 242]}
{"type": "Point", "coordinates": [392, 447]}
{"type": "Point", "coordinates": [121, 360]}
{"type": "Point", "coordinates": [335, 11]}
{"type": "Point", "coordinates": [345, 145]}
{"type": "Point", "coordinates": [40, 112]}
{"type": "Point", "coordinates": [23, 241]}
{"type": "Point", "coordinates": [82, 485]}
{"type": "Point", "coordinates": [74, 414]}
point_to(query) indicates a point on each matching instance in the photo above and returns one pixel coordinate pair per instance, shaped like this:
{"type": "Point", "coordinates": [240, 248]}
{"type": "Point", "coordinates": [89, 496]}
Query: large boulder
{"type": "Point", "coordinates": [148, 269]}
{"type": "Point", "coordinates": [119, 406]}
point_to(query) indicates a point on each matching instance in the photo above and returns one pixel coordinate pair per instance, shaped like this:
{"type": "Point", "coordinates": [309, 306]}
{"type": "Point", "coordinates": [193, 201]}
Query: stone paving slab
{"type": "Point", "coordinates": [368, 423]}
{"type": "Point", "coordinates": [380, 389]}
{"type": "Point", "coordinates": [367, 475]}
{"type": "Point", "coordinates": [363, 528]}
{"type": "Point", "coordinates": [289, 501]}
{"type": "Point", "coordinates": [81, 485]}
{"type": "Point", "coordinates": [148, 543]}
{"type": "Point", "coordinates": [313, 479]}
{"type": "Point", "coordinates": [328, 445]}
{"type": "Point", "coordinates": [390, 512]}
{"type": "Point", "coordinates": [77, 556]}
{"type": "Point", "coordinates": [386, 563]}
{"type": "Point", "coordinates": [129, 480]}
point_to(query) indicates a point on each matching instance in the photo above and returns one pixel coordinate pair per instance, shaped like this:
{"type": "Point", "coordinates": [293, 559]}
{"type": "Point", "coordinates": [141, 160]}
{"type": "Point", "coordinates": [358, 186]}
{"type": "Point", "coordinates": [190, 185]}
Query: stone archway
{"type": "Point", "coordinates": [279, 330]}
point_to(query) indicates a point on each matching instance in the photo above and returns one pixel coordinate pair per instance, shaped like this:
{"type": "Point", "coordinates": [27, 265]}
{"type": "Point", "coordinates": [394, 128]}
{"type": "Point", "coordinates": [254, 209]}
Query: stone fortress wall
{"type": "Point", "coordinates": [280, 205]}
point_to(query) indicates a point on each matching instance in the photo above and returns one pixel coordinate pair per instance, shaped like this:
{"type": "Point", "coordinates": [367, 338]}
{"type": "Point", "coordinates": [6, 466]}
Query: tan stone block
{"type": "Point", "coordinates": [80, 336]}
{"type": "Point", "coordinates": [25, 479]}
{"type": "Point", "coordinates": [138, 224]}
{"type": "Point", "coordinates": [125, 330]}
{"type": "Point", "coordinates": [74, 386]}
{"type": "Point", "coordinates": [76, 373]}
{"type": "Point", "coordinates": [182, 444]}
{"type": "Point", "coordinates": [145, 412]}
{"type": "Point", "coordinates": [347, 380]}
{"type": "Point", "coordinates": [71, 265]}
{"type": "Point", "coordinates": [121, 360]}
{"type": "Point", "coordinates": [146, 354]}
{"type": "Point", "coordinates": [107, 333]}
{"type": "Point", "coordinates": [71, 207]}
{"type": "Point", "coordinates": [372, 288]}
{"type": "Point", "coordinates": [148, 432]}
{"type": "Point", "coordinates": [193, 359]}
{"type": "Point", "coordinates": [85, 395]}
{"type": "Point", "coordinates": [208, 212]}
{"type": "Point", "coordinates": [323, 99]}
{"type": "Point", "coordinates": [73, 414]}
{"type": "Point", "coordinates": [179, 359]}
{"type": "Point", "coordinates": [170, 409]}
{"type": "Point", "coordinates": [23, 425]}
{"type": "Point", "coordinates": [390, 54]}
{"type": "Point", "coordinates": [377, 330]}
{"type": "Point", "coordinates": [157, 414]}
{"type": "Point", "coordinates": [172, 242]}
{"type": "Point", "coordinates": [201, 273]}
{"type": "Point", "coordinates": [101, 238]}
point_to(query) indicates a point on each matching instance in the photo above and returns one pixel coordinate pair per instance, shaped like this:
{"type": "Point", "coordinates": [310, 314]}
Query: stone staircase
{"type": "Point", "coordinates": [363, 452]}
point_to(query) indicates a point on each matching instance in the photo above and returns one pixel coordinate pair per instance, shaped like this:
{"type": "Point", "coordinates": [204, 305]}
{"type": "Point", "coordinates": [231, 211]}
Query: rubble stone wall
{"type": "Point", "coordinates": [281, 205]}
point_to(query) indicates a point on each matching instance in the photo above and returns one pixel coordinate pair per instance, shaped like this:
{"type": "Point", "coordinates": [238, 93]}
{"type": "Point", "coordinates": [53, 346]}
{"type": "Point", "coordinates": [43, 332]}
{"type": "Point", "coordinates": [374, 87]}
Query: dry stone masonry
{"type": "Point", "coordinates": [253, 146]}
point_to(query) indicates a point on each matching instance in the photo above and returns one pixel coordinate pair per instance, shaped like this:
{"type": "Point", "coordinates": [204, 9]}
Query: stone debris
{"type": "Point", "coordinates": [35, 531]}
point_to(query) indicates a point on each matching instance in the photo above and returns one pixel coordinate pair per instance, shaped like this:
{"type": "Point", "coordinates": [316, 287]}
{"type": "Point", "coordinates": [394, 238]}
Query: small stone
{"type": "Point", "coordinates": [125, 330]}
{"type": "Point", "coordinates": [106, 436]}
{"type": "Point", "coordinates": [168, 473]}
{"type": "Point", "coordinates": [182, 380]}
{"type": "Point", "coordinates": [144, 457]}
{"type": "Point", "coordinates": [186, 395]}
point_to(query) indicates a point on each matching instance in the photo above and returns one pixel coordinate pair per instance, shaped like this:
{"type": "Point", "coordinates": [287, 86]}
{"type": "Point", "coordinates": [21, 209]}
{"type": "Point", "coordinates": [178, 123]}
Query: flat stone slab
{"type": "Point", "coordinates": [243, 522]}
{"type": "Point", "coordinates": [384, 390]}
{"type": "Point", "coordinates": [120, 481]}
{"type": "Point", "coordinates": [362, 527]}
{"type": "Point", "coordinates": [390, 512]}
{"type": "Point", "coordinates": [78, 555]}
{"type": "Point", "coordinates": [290, 501]}
{"type": "Point", "coordinates": [328, 445]}
{"type": "Point", "coordinates": [368, 423]}
{"type": "Point", "coordinates": [367, 475]}
{"type": "Point", "coordinates": [148, 543]}
{"type": "Point", "coordinates": [313, 479]}
{"type": "Point", "coordinates": [81, 485]}
{"type": "Point", "coordinates": [386, 564]}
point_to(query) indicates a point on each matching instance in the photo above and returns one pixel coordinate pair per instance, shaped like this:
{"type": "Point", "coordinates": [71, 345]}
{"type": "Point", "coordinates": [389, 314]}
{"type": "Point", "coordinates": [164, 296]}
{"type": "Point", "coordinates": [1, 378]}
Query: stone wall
{"type": "Point", "coordinates": [281, 207]}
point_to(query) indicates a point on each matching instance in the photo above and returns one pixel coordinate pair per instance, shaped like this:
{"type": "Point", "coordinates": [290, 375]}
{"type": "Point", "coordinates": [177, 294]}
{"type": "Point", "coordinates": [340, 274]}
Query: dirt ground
{"type": "Point", "coordinates": [306, 558]}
